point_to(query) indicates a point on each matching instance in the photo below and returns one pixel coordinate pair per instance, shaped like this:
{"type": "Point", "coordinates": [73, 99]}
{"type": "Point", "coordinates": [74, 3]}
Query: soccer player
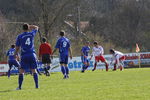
{"type": "Point", "coordinates": [63, 45]}
{"type": "Point", "coordinates": [45, 52]}
{"type": "Point", "coordinates": [25, 42]}
{"type": "Point", "coordinates": [84, 56]}
{"type": "Point", "coordinates": [98, 52]}
{"type": "Point", "coordinates": [118, 57]}
{"type": "Point", "coordinates": [12, 61]}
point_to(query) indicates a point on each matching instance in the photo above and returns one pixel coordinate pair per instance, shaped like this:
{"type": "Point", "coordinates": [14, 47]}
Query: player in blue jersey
{"type": "Point", "coordinates": [84, 56]}
{"type": "Point", "coordinates": [63, 45]}
{"type": "Point", "coordinates": [12, 61]}
{"type": "Point", "coordinates": [25, 42]}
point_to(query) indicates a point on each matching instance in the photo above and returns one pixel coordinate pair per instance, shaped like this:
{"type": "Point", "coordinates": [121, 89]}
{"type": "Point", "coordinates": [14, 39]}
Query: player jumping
{"type": "Point", "coordinates": [84, 56]}
{"type": "Point", "coordinates": [98, 52]}
{"type": "Point", "coordinates": [63, 45]}
{"type": "Point", "coordinates": [118, 57]}
{"type": "Point", "coordinates": [12, 61]}
{"type": "Point", "coordinates": [45, 52]}
{"type": "Point", "coordinates": [25, 41]}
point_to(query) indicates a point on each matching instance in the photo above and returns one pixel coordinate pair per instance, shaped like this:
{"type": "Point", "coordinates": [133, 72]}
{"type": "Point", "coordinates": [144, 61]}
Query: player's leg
{"type": "Point", "coordinates": [84, 63]}
{"type": "Point", "coordinates": [106, 65]}
{"type": "Point", "coordinates": [66, 67]}
{"type": "Point", "coordinates": [44, 62]}
{"type": "Point", "coordinates": [35, 77]}
{"type": "Point", "coordinates": [45, 69]}
{"type": "Point", "coordinates": [104, 61]}
{"type": "Point", "coordinates": [48, 61]}
{"type": "Point", "coordinates": [121, 62]}
{"type": "Point", "coordinates": [20, 78]}
{"type": "Point", "coordinates": [10, 66]}
{"type": "Point", "coordinates": [33, 67]}
{"type": "Point", "coordinates": [67, 71]}
{"type": "Point", "coordinates": [62, 60]}
{"type": "Point", "coordinates": [95, 64]}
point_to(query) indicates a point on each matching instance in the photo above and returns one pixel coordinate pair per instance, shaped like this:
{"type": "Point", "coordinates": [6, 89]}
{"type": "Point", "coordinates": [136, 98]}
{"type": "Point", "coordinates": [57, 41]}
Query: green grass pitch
{"type": "Point", "coordinates": [130, 84]}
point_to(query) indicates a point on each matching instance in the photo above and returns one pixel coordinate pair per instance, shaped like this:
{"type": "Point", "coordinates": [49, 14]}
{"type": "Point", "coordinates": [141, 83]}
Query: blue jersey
{"type": "Point", "coordinates": [26, 42]}
{"type": "Point", "coordinates": [10, 54]}
{"type": "Point", "coordinates": [63, 44]}
{"type": "Point", "coordinates": [85, 50]}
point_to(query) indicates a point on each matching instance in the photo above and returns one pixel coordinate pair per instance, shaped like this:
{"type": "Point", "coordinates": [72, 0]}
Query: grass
{"type": "Point", "coordinates": [130, 84]}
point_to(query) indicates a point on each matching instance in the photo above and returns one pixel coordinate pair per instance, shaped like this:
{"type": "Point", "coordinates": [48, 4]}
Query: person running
{"type": "Point", "coordinates": [84, 56]}
{"type": "Point", "coordinates": [12, 61]}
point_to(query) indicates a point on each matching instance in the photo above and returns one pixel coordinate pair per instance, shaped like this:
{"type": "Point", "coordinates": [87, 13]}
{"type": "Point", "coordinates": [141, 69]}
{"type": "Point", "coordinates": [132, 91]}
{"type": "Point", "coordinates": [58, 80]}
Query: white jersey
{"type": "Point", "coordinates": [118, 54]}
{"type": "Point", "coordinates": [97, 51]}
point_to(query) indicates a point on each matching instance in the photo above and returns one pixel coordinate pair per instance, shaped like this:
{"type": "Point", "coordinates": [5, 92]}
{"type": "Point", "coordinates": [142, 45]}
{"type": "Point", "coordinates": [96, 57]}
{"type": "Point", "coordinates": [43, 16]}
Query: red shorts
{"type": "Point", "coordinates": [120, 59]}
{"type": "Point", "coordinates": [100, 58]}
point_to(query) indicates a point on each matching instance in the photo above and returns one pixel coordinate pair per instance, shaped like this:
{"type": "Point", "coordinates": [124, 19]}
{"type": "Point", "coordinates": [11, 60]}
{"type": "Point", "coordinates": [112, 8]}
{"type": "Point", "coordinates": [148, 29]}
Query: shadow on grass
{"type": "Point", "coordinates": [5, 91]}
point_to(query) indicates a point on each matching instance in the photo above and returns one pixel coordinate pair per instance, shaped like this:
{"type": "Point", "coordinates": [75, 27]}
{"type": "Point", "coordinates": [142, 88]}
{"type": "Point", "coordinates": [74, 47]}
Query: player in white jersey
{"type": "Point", "coordinates": [98, 52]}
{"type": "Point", "coordinates": [118, 58]}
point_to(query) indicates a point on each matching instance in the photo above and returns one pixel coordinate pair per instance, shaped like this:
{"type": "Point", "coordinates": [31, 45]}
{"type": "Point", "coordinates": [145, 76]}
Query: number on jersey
{"type": "Point", "coordinates": [64, 44]}
{"type": "Point", "coordinates": [28, 41]}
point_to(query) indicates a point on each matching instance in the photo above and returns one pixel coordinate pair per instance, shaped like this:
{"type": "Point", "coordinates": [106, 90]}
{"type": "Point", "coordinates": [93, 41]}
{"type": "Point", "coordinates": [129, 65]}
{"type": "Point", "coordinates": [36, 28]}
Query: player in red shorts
{"type": "Point", "coordinates": [98, 52]}
{"type": "Point", "coordinates": [118, 57]}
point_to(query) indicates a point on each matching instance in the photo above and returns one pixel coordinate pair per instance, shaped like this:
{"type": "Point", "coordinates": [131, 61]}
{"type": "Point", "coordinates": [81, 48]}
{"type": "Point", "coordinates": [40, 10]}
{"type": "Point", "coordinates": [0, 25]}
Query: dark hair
{"type": "Point", "coordinates": [112, 51]}
{"type": "Point", "coordinates": [95, 42]}
{"type": "Point", "coordinates": [25, 26]}
{"type": "Point", "coordinates": [44, 39]}
{"type": "Point", "coordinates": [62, 33]}
{"type": "Point", "coordinates": [12, 46]}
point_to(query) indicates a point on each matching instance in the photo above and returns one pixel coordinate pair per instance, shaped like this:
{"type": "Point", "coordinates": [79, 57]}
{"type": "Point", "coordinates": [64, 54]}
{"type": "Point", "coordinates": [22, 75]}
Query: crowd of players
{"type": "Point", "coordinates": [23, 55]}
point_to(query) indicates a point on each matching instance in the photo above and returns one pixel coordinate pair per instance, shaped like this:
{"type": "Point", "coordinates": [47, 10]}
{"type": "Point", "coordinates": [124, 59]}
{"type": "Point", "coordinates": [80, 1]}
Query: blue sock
{"type": "Point", "coordinates": [8, 73]}
{"type": "Point", "coordinates": [20, 80]}
{"type": "Point", "coordinates": [63, 70]}
{"type": "Point", "coordinates": [67, 70]}
{"type": "Point", "coordinates": [83, 67]}
{"type": "Point", "coordinates": [35, 76]}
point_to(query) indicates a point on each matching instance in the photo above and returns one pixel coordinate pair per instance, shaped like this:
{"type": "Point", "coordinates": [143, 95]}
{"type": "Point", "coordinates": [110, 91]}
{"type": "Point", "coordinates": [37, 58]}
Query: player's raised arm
{"type": "Point", "coordinates": [33, 27]}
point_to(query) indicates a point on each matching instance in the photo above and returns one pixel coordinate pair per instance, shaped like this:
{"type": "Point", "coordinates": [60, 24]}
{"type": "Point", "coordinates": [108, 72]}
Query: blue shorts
{"type": "Point", "coordinates": [63, 59]}
{"type": "Point", "coordinates": [29, 61]}
{"type": "Point", "coordinates": [84, 60]}
{"type": "Point", "coordinates": [13, 63]}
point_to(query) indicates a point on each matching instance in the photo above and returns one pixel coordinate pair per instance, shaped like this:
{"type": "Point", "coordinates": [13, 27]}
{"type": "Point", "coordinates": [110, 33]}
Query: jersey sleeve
{"type": "Point", "coordinates": [34, 32]}
{"type": "Point", "coordinates": [18, 43]}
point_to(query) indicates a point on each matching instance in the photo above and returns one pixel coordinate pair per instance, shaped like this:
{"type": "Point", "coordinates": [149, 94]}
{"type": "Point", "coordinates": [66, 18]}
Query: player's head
{"type": "Point", "coordinates": [112, 51]}
{"type": "Point", "coordinates": [62, 33]}
{"type": "Point", "coordinates": [12, 46]}
{"type": "Point", "coordinates": [87, 43]}
{"type": "Point", "coordinates": [95, 43]}
{"type": "Point", "coordinates": [25, 26]}
{"type": "Point", "coordinates": [44, 39]}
